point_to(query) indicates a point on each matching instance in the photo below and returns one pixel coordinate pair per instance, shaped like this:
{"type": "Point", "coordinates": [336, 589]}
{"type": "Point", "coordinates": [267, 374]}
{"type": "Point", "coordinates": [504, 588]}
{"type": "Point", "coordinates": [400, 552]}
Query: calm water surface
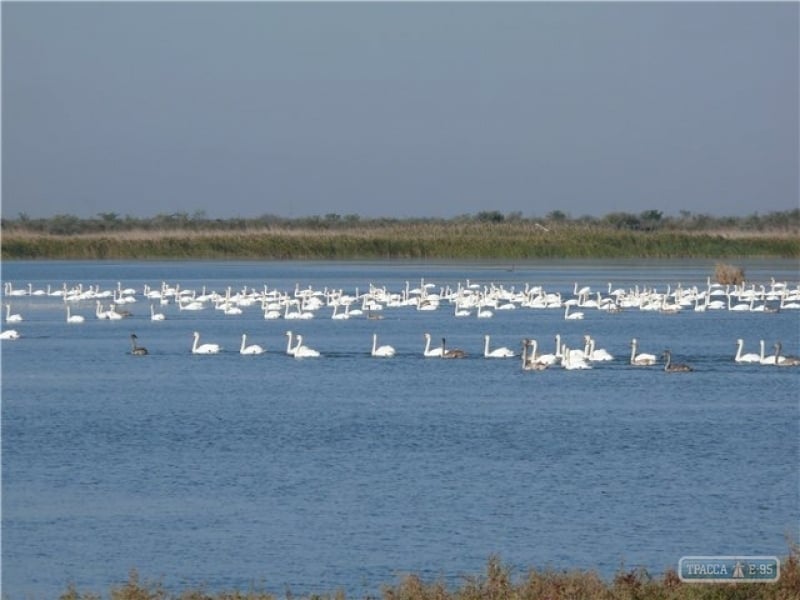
{"type": "Point", "coordinates": [345, 472]}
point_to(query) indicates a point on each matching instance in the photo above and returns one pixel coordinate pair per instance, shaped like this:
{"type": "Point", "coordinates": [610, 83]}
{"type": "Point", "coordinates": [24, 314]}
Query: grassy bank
{"type": "Point", "coordinates": [505, 241]}
{"type": "Point", "coordinates": [499, 583]}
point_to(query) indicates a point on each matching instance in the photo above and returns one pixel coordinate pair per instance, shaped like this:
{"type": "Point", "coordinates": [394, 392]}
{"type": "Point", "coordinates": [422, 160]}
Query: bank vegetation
{"type": "Point", "coordinates": [500, 583]}
{"type": "Point", "coordinates": [485, 235]}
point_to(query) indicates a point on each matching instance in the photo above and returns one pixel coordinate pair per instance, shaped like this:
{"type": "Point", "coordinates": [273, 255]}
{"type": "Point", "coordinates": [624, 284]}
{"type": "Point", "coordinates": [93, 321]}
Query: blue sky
{"type": "Point", "coordinates": [399, 109]}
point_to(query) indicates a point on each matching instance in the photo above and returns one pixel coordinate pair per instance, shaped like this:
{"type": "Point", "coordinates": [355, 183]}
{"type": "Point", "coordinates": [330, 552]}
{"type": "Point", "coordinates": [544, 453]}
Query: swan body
{"type": "Point", "coordinates": [530, 362]}
{"type": "Point", "coordinates": [641, 360]}
{"type": "Point", "coordinates": [9, 291]}
{"type": "Point", "coordinates": [501, 352]}
{"type": "Point", "coordinates": [453, 353]}
{"type": "Point", "coordinates": [572, 361]}
{"type": "Point", "coordinates": [460, 311]}
{"type": "Point", "coordinates": [572, 316]}
{"type": "Point", "coordinates": [772, 359]}
{"type": "Point", "coordinates": [15, 318]}
{"type": "Point", "coordinates": [114, 315]}
{"type": "Point", "coordinates": [750, 357]}
{"type": "Point", "coordinates": [74, 318]}
{"type": "Point", "coordinates": [9, 334]}
{"type": "Point", "coordinates": [250, 350]}
{"type": "Point", "coordinates": [137, 350]}
{"type": "Point", "coordinates": [301, 351]}
{"type": "Point", "coordinates": [381, 351]}
{"type": "Point", "coordinates": [343, 315]}
{"type": "Point", "coordinates": [785, 361]}
{"type": "Point", "coordinates": [671, 367]}
{"type": "Point", "coordinates": [204, 348]}
{"type": "Point", "coordinates": [596, 355]}
{"type": "Point", "coordinates": [428, 352]}
{"type": "Point", "coordinates": [154, 316]}
{"type": "Point", "coordinates": [484, 313]}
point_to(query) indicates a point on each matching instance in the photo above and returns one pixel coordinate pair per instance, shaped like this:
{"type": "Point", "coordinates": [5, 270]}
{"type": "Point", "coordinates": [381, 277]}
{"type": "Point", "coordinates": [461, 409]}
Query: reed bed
{"type": "Point", "coordinates": [506, 241]}
{"type": "Point", "coordinates": [499, 583]}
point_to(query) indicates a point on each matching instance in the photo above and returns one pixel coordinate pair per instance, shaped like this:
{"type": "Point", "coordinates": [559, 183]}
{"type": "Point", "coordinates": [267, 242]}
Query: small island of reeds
{"type": "Point", "coordinates": [485, 235]}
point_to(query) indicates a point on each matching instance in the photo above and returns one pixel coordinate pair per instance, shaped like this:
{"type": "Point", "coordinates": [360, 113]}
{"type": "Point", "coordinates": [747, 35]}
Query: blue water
{"type": "Point", "coordinates": [347, 471]}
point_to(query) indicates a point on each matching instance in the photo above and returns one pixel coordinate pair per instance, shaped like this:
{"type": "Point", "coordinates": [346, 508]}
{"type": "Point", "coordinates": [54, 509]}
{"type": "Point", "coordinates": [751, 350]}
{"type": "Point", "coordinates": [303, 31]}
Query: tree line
{"type": "Point", "coordinates": [648, 220]}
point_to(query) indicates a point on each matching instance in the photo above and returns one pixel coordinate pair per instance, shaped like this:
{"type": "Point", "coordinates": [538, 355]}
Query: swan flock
{"type": "Point", "coordinates": [573, 351]}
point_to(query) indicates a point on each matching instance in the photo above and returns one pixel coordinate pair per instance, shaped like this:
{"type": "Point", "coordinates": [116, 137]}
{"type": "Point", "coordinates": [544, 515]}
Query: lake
{"type": "Point", "coordinates": [348, 471]}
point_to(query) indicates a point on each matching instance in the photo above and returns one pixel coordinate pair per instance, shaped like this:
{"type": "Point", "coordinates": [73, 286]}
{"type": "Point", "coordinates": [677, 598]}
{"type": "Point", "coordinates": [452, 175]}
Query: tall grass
{"type": "Point", "coordinates": [507, 241]}
{"type": "Point", "coordinates": [499, 583]}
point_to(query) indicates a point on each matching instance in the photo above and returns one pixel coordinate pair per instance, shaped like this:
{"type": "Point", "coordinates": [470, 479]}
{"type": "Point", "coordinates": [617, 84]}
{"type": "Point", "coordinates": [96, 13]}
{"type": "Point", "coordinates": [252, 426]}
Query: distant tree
{"type": "Point", "coordinates": [557, 216]}
{"type": "Point", "coordinates": [650, 220]}
{"type": "Point", "coordinates": [490, 216]}
{"type": "Point", "coordinates": [109, 221]}
{"type": "Point", "coordinates": [64, 225]}
{"type": "Point", "coordinates": [622, 220]}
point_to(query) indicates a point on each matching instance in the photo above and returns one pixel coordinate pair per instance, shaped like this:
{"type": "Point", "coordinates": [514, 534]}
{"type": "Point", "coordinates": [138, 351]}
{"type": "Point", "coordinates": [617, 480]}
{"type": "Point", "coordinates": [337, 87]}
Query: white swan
{"type": "Point", "coordinates": [428, 352]}
{"type": "Point", "coordinates": [501, 352]}
{"type": "Point", "coordinates": [289, 347]}
{"type": "Point", "coordinates": [113, 314]}
{"type": "Point", "coordinates": [74, 318]}
{"type": "Point", "coordinates": [530, 359]}
{"type": "Point", "coordinates": [738, 307]}
{"type": "Point", "coordinates": [484, 313]}
{"type": "Point", "coordinates": [250, 350]}
{"type": "Point", "coordinates": [571, 316]}
{"type": "Point", "coordinates": [548, 359]}
{"type": "Point", "coordinates": [341, 316]}
{"type": "Point", "coordinates": [596, 355]}
{"type": "Point", "coordinates": [110, 314]}
{"type": "Point", "coordinates": [296, 314]}
{"type": "Point", "coordinates": [154, 316]}
{"type": "Point", "coordinates": [750, 357]}
{"type": "Point", "coordinates": [9, 291]}
{"type": "Point", "coordinates": [9, 334]}
{"type": "Point", "coordinates": [572, 361]}
{"type": "Point", "coordinates": [301, 351]}
{"type": "Point", "coordinates": [205, 348]}
{"type": "Point", "coordinates": [15, 318]}
{"type": "Point", "coordinates": [382, 351]}
{"type": "Point", "coordinates": [459, 310]}
{"type": "Point", "coordinates": [641, 360]}
{"type": "Point", "coordinates": [772, 359]}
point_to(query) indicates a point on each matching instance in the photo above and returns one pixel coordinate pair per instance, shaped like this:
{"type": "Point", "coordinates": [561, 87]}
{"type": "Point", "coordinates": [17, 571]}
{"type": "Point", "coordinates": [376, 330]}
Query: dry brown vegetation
{"type": "Point", "coordinates": [448, 240]}
{"type": "Point", "coordinates": [498, 583]}
{"type": "Point", "coordinates": [728, 274]}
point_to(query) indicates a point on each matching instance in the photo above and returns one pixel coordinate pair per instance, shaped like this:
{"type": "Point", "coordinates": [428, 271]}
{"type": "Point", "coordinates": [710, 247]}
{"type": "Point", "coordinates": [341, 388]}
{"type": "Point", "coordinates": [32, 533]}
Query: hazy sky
{"type": "Point", "coordinates": [399, 109]}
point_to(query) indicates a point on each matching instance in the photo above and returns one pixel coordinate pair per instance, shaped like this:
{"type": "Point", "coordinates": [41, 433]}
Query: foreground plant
{"type": "Point", "coordinates": [498, 583]}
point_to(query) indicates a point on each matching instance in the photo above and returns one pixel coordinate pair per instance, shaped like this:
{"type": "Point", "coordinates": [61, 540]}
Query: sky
{"type": "Point", "coordinates": [402, 109]}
